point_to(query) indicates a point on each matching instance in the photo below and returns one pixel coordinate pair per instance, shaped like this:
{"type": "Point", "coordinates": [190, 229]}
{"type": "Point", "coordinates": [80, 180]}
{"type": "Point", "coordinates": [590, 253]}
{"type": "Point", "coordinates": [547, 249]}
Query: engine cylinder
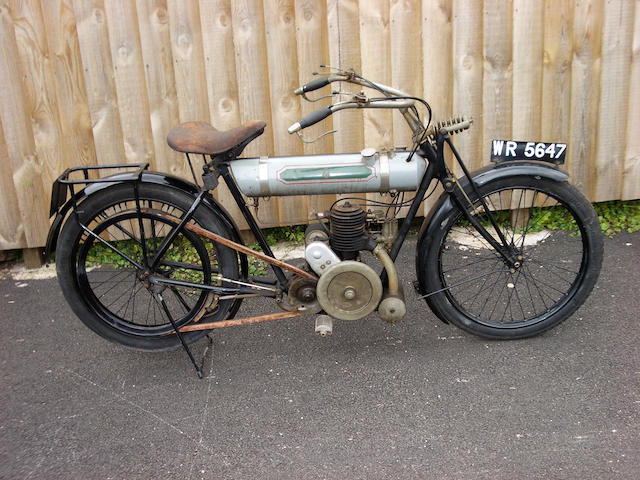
{"type": "Point", "coordinates": [347, 226]}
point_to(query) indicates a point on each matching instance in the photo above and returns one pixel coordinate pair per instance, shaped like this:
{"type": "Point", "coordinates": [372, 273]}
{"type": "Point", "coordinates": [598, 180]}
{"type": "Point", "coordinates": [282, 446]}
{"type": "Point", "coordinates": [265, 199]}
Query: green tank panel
{"type": "Point", "coordinates": [325, 173]}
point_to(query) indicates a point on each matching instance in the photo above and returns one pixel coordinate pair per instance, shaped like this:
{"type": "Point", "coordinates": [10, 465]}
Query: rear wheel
{"type": "Point", "coordinates": [555, 237]}
{"type": "Point", "coordinates": [111, 293]}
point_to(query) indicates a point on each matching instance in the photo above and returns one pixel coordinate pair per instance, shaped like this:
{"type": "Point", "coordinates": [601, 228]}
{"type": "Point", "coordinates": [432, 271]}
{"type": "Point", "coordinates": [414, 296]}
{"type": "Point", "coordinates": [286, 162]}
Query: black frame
{"type": "Point", "coordinates": [436, 169]}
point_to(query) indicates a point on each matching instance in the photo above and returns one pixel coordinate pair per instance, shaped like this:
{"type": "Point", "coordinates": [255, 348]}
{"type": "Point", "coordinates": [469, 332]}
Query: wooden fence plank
{"type": "Point", "coordinates": [39, 88]}
{"type": "Point", "coordinates": [375, 56]}
{"type": "Point", "coordinates": [556, 74]}
{"type": "Point", "coordinates": [252, 71]}
{"type": "Point", "coordinates": [344, 52]}
{"type": "Point", "coordinates": [285, 106]}
{"type": "Point", "coordinates": [252, 75]}
{"type": "Point", "coordinates": [76, 133]}
{"type": "Point", "coordinates": [406, 64]}
{"type": "Point", "coordinates": [467, 78]}
{"type": "Point", "coordinates": [93, 38]}
{"type": "Point", "coordinates": [188, 60]}
{"type": "Point", "coordinates": [497, 78]}
{"type": "Point", "coordinates": [405, 60]}
{"type": "Point", "coordinates": [617, 38]}
{"type": "Point", "coordinates": [155, 43]}
{"type": "Point", "coordinates": [19, 137]}
{"type": "Point", "coordinates": [585, 94]}
{"type": "Point", "coordinates": [283, 74]}
{"type": "Point", "coordinates": [437, 52]}
{"type": "Point", "coordinates": [11, 225]}
{"type": "Point", "coordinates": [130, 82]}
{"type": "Point", "coordinates": [437, 66]}
{"type": "Point", "coordinates": [222, 90]}
{"type": "Point", "coordinates": [220, 65]}
{"type": "Point", "coordinates": [313, 51]}
{"type": "Point", "coordinates": [189, 69]}
{"type": "Point", "coordinates": [631, 174]}
{"type": "Point", "coordinates": [527, 68]}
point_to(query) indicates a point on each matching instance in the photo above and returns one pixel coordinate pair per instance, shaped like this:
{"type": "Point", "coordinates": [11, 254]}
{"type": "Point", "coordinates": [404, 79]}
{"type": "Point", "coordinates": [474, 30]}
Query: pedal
{"type": "Point", "coordinates": [324, 325]}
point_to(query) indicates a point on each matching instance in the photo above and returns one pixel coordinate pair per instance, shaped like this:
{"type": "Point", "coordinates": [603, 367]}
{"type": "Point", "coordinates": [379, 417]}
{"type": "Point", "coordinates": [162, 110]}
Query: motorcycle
{"type": "Point", "coordinates": [153, 262]}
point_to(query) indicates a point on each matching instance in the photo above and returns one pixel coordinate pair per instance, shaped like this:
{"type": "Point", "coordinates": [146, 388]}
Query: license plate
{"type": "Point", "coordinates": [505, 150]}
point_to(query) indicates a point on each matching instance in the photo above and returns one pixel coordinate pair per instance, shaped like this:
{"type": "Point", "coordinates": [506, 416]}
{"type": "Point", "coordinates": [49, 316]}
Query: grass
{"type": "Point", "coordinates": [293, 234]}
{"type": "Point", "coordinates": [617, 216]}
{"type": "Point", "coordinates": [614, 216]}
{"type": "Point", "coordinates": [181, 250]}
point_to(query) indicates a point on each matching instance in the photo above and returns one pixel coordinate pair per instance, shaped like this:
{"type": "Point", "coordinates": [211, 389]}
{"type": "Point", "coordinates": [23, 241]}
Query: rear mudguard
{"type": "Point", "coordinates": [62, 209]}
{"type": "Point", "coordinates": [433, 222]}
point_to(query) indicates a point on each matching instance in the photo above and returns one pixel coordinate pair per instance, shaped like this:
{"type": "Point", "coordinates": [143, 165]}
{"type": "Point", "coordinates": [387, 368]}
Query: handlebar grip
{"type": "Point", "coordinates": [313, 85]}
{"type": "Point", "coordinates": [310, 119]}
{"type": "Point", "coordinates": [315, 117]}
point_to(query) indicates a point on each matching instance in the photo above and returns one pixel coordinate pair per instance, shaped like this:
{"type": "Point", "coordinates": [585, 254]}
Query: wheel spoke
{"type": "Point", "coordinates": [467, 265]}
{"type": "Point", "coordinates": [116, 292]}
{"type": "Point", "coordinates": [180, 298]}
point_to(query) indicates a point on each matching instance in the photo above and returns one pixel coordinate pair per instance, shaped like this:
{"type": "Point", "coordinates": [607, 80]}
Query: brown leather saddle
{"type": "Point", "coordinates": [200, 137]}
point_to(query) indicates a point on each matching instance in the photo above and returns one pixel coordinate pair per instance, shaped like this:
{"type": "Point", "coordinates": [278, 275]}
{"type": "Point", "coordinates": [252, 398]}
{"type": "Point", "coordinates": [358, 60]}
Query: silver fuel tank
{"type": "Point", "coordinates": [368, 171]}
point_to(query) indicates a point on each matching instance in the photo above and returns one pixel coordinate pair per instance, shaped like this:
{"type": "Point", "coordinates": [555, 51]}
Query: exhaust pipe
{"type": "Point", "coordinates": [392, 308]}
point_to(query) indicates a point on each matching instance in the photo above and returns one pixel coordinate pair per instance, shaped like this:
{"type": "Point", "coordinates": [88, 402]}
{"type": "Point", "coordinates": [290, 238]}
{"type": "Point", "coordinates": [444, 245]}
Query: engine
{"type": "Point", "coordinates": [349, 289]}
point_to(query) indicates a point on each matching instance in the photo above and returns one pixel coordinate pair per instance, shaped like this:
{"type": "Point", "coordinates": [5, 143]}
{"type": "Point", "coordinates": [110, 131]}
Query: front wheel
{"type": "Point", "coordinates": [551, 229]}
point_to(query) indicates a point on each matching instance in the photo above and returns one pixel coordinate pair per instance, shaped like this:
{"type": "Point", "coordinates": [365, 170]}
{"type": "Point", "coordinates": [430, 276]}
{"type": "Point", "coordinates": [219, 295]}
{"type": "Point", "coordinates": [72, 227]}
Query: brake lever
{"type": "Point", "coordinates": [312, 100]}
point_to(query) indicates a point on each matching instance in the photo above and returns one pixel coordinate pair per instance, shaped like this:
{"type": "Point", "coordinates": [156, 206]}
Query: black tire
{"type": "Point", "coordinates": [555, 231]}
{"type": "Point", "coordinates": [107, 292]}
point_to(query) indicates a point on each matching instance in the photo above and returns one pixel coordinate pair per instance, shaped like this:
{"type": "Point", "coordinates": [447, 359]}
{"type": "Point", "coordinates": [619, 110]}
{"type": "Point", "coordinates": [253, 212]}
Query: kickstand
{"type": "Point", "coordinates": [184, 344]}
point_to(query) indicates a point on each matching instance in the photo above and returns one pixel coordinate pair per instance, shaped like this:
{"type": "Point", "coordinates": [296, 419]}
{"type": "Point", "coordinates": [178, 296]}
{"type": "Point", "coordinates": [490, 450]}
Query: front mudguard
{"type": "Point", "coordinates": [435, 220]}
{"type": "Point", "coordinates": [62, 207]}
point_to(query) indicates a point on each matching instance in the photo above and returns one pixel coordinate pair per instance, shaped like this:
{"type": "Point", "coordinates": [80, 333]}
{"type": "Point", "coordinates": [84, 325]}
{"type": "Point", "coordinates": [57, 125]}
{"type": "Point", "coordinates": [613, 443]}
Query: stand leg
{"type": "Point", "coordinates": [184, 344]}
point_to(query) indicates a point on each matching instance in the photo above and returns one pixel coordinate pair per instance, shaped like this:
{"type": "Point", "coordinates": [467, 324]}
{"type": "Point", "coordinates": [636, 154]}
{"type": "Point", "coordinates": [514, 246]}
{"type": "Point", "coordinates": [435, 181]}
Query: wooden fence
{"type": "Point", "coordinates": [87, 82]}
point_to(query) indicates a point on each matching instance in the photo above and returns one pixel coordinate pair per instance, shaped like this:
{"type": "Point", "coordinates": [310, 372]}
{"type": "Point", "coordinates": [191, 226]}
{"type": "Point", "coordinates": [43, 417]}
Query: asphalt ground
{"type": "Point", "coordinates": [419, 399]}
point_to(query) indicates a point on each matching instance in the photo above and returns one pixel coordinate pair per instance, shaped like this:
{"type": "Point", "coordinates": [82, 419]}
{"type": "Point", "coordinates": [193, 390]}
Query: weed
{"type": "Point", "coordinates": [293, 234]}
{"type": "Point", "coordinates": [617, 216]}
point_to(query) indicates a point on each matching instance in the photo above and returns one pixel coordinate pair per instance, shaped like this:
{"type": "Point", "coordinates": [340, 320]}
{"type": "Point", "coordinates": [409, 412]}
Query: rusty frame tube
{"type": "Point", "coordinates": [247, 251]}
{"type": "Point", "coordinates": [239, 321]}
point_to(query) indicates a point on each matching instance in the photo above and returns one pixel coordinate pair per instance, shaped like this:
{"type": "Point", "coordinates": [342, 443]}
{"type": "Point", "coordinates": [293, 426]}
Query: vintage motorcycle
{"type": "Point", "coordinates": [152, 261]}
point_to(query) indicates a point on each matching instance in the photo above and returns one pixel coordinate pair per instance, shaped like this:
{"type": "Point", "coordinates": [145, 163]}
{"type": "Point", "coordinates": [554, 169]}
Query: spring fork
{"type": "Point", "coordinates": [504, 250]}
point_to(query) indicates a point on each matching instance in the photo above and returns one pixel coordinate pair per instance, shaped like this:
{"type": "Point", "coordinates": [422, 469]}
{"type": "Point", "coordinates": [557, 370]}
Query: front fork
{"type": "Point", "coordinates": [507, 251]}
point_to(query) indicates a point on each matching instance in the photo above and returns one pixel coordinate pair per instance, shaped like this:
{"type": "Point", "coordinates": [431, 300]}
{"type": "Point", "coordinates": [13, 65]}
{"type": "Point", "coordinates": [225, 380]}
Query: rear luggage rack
{"type": "Point", "coordinates": [64, 183]}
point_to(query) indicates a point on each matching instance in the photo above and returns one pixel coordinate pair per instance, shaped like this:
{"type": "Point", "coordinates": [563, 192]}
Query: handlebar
{"type": "Point", "coordinates": [393, 99]}
{"type": "Point", "coordinates": [323, 113]}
